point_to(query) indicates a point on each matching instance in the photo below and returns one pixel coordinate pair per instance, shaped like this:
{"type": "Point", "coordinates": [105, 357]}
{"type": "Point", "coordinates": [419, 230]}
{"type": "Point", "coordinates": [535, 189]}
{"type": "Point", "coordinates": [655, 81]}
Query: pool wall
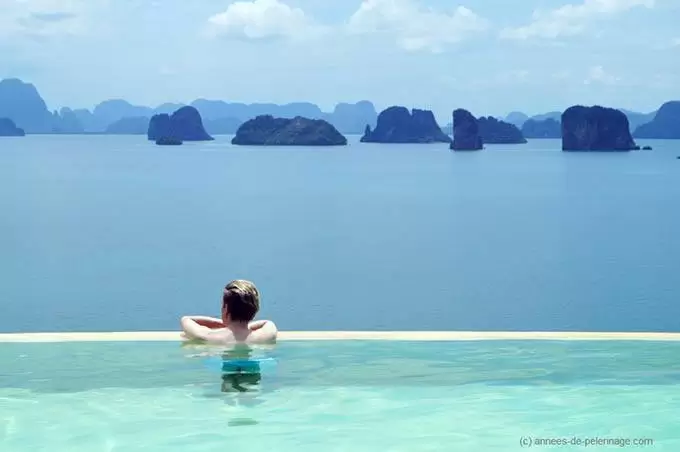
{"type": "Point", "coordinates": [349, 335]}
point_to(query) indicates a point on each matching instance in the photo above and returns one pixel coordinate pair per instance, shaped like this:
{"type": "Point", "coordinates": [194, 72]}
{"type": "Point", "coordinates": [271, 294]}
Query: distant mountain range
{"type": "Point", "coordinates": [21, 102]}
{"type": "Point", "coordinates": [635, 119]}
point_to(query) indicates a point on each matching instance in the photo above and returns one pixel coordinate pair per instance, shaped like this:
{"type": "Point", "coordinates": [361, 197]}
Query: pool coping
{"type": "Point", "coordinates": [166, 336]}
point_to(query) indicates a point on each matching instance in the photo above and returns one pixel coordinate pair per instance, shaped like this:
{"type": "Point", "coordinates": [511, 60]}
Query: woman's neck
{"type": "Point", "coordinates": [234, 325]}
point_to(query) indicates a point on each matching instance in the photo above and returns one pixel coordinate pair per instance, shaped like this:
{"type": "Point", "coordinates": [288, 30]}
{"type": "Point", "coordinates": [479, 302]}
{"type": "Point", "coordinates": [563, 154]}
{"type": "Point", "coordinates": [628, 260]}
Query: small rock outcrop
{"type": "Point", "coordinates": [266, 130]}
{"type": "Point", "coordinates": [664, 126]}
{"type": "Point", "coordinates": [546, 128]}
{"type": "Point", "coordinates": [398, 125]}
{"type": "Point", "coordinates": [9, 129]}
{"type": "Point", "coordinates": [466, 135]}
{"type": "Point", "coordinates": [494, 131]}
{"type": "Point", "coordinates": [167, 141]}
{"type": "Point", "coordinates": [188, 123]}
{"type": "Point", "coordinates": [160, 126]}
{"type": "Point", "coordinates": [184, 124]}
{"type": "Point", "coordinates": [595, 129]}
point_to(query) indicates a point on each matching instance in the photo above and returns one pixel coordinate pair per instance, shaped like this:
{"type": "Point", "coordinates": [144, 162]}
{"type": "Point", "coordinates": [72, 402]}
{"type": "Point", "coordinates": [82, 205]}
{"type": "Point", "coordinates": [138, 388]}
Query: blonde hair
{"type": "Point", "coordinates": [242, 300]}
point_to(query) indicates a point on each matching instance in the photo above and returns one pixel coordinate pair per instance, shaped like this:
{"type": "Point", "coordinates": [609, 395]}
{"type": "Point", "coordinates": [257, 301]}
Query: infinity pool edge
{"type": "Point", "coordinates": [347, 335]}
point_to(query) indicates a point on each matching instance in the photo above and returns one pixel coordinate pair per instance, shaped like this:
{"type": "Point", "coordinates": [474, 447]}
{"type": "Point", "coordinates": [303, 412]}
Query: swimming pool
{"type": "Point", "coordinates": [476, 396]}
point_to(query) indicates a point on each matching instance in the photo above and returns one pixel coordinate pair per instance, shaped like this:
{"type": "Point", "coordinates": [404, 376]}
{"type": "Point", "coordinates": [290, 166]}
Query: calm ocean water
{"type": "Point", "coordinates": [113, 233]}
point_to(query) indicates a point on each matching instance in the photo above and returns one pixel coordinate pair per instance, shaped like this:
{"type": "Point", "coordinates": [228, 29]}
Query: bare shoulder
{"type": "Point", "coordinates": [266, 331]}
{"type": "Point", "coordinates": [270, 327]}
{"type": "Point", "coordinates": [261, 324]}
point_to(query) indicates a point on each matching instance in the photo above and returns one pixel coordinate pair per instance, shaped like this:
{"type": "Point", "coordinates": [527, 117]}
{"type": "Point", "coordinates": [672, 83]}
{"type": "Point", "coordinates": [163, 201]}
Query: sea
{"type": "Point", "coordinates": [114, 233]}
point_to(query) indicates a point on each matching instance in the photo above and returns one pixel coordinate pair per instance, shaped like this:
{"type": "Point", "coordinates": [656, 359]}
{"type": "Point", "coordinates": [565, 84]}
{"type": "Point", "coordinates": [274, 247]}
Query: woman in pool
{"type": "Point", "coordinates": [240, 304]}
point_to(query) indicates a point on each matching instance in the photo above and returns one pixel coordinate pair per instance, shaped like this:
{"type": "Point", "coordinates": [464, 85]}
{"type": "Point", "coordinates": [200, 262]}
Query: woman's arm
{"type": "Point", "coordinates": [208, 322]}
{"type": "Point", "coordinates": [193, 330]}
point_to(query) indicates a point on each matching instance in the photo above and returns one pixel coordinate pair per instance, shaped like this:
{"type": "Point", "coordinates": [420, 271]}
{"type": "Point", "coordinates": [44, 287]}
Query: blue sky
{"type": "Point", "coordinates": [490, 56]}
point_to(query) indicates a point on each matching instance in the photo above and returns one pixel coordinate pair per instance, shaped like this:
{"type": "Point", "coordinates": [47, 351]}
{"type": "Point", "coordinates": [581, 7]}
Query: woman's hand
{"type": "Point", "coordinates": [208, 322]}
{"type": "Point", "coordinates": [257, 324]}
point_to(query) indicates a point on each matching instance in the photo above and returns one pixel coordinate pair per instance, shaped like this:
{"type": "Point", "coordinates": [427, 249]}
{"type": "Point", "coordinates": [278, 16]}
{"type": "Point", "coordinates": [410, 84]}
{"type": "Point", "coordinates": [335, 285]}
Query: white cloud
{"type": "Point", "coordinates": [570, 19]}
{"type": "Point", "coordinates": [597, 74]}
{"type": "Point", "coordinates": [261, 19]}
{"type": "Point", "coordinates": [412, 26]}
{"type": "Point", "coordinates": [415, 27]}
{"type": "Point", "coordinates": [46, 18]}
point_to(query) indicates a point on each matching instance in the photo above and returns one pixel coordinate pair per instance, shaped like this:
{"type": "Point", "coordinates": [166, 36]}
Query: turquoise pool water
{"type": "Point", "coordinates": [344, 395]}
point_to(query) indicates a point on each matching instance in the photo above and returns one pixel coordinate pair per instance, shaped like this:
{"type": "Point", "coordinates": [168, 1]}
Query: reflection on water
{"type": "Point", "coordinates": [238, 364]}
{"type": "Point", "coordinates": [241, 372]}
{"type": "Point", "coordinates": [59, 368]}
{"type": "Point", "coordinates": [241, 382]}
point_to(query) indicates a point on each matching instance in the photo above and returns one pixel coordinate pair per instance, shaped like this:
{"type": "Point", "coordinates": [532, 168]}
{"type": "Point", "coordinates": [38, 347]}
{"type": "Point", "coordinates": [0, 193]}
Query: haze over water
{"type": "Point", "coordinates": [112, 233]}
